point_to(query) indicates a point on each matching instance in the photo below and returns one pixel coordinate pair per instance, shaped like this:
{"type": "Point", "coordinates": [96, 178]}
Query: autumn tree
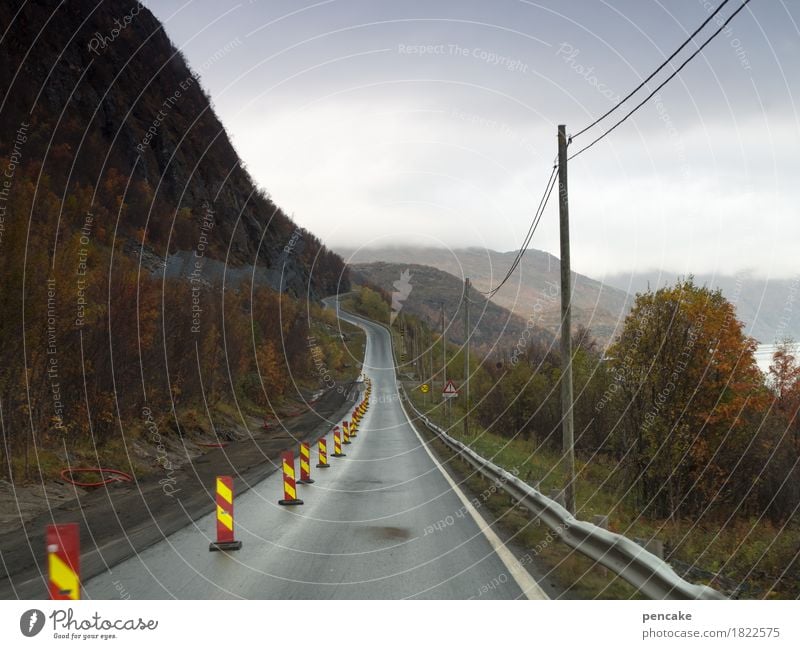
{"type": "Point", "coordinates": [784, 373]}
{"type": "Point", "coordinates": [689, 392]}
{"type": "Point", "coordinates": [371, 303]}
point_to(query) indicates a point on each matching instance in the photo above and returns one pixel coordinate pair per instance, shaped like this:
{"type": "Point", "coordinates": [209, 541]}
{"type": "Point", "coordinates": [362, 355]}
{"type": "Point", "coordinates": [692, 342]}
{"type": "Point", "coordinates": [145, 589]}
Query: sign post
{"type": "Point", "coordinates": [450, 391]}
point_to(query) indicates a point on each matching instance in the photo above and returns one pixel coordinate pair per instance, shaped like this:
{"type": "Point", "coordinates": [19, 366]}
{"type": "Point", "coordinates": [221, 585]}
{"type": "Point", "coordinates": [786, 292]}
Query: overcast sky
{"type": "Point", "coordinates": [377, 122]}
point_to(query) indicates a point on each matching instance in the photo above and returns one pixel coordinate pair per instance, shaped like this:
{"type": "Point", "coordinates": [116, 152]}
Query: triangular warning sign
{"type": "Point", "coordinates": [450, 389]}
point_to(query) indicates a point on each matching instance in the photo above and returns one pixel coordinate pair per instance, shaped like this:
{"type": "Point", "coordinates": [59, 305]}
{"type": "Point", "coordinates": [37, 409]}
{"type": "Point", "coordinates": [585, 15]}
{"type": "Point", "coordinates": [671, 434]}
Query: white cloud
{"type": "Point", "coordinates": [701, 200]}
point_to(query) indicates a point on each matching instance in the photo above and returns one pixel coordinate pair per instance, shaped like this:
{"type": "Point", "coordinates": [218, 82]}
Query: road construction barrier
{"type": "Point", "coordinates": [225, 537]}
{"type": "Point", "coordinates": [289, 485]}
{"type": "Point", "coordinates": [346, 433]}
{"type": "Point", "coordinates": [63, 561]}
{"type": "Point", "coordinates": [353, 431]}
{"type": "Point", "coordinates": [322, 445]}
{"type": "Point", "coordinates": [337, 443]}
{"type": "Point", "coordinates": [305, 463]}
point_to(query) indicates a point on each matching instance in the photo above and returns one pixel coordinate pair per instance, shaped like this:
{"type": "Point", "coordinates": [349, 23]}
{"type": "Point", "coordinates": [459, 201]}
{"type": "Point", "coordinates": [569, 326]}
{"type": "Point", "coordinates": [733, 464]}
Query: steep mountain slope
{"type": "Point", "coordinates": [426, 289]}
{"type": "Point", "coordinates": [107, 104]}
{"type": "Point", "coordinates": [532, 290]}
{"type": "Point", "coordinates": [150, 291]}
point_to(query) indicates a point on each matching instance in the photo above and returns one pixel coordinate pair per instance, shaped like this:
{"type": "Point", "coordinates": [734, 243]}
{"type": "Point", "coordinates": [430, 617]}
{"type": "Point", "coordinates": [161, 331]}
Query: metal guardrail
{"type": "Point", "coordinates": [652, 576]}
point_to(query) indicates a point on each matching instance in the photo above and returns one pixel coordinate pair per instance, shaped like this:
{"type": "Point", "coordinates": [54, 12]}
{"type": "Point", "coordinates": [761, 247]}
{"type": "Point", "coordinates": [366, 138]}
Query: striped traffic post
{"type": "Point", "coordinates": [289, 486]}
{"type": "Point", "coordinates": [323, 454]}
{"type": "Point", "coordinates": [305, 463]}
{"type": "Point", "coordinates": [225, 539]}
{"type": "Point", "coordinates": [353, 427]}
{"type": "Point", "coordinates": [63, 561]}
{"type": "Point", "coordinates": [346, 433]}
{"type": "Point", "coordinates": [337, 443]}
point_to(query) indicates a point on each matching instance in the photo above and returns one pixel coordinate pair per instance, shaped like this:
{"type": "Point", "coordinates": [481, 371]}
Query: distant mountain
{"type": "Point", "coordinates": [770, 308]}
{"type": "Point", "coordinates": [532, 292]}
{"type": "Point", "coordinates": [426, 289]}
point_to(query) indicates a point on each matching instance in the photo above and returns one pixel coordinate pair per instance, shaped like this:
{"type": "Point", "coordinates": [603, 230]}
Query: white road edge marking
{"type": "Point", "coordinates": [527, 584]}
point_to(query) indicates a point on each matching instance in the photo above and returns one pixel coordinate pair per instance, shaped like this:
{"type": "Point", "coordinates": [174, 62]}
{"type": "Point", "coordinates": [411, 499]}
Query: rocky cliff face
{"type": "Point", "coordinates": [112, 106]}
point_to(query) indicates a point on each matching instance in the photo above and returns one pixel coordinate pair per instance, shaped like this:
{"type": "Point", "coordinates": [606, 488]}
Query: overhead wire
{"type": "Point", "coordinates": [553, 175]}
{"type": "Point", "coordinates": [654, 72]}
{"type": "Point", "coordinates": [531, 230]}
{"type": "Point", "coordinates": [662, 84]}
{"type": "Point", "coordinates": [528, 236]}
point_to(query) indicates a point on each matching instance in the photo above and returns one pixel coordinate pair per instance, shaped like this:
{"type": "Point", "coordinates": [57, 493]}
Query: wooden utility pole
{"type": "Point", "coordinates": [420, 345]}
{"type": "Point", "coordinates": [567, 426]}
{"type": "Point", "coordinates": [430, 363]}
{"type": "Point", "coordinates": [444, 350]}
{"type": "Point", "coordinates": [466, 356]}
{"type": "Point", "coordinates": [415, 362]}
{"type": "Point", "coordinates": [426, 344]}
{"type": "Point", "coordinates": [444, 364]}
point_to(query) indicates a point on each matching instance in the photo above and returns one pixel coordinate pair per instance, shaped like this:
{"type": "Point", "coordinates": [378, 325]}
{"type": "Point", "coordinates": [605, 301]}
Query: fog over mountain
{"type": "Point", "coordinates": [768, 307]}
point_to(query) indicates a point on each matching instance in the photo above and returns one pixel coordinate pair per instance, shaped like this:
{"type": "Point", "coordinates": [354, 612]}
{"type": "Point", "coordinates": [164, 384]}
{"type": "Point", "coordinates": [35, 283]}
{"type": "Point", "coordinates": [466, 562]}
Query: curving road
{"type": "Point", "coordinates": [361, 533]}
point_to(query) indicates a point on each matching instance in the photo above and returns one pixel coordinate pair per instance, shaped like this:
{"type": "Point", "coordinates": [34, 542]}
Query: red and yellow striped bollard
{"type": "Point", "coordinates": [346, 433]}
{"type": "Point", "coordinates": [305, 464]}
{"type": "Point", "coordinates": [289, 485]}
{"type": "Point", "coordinates": [353, 426]}
{"type": "Point", "coordinates": [225, 538]}
{"type": "Point", "coordinates": [323, 454]}
{"type": "Point", "coordinates": [337, 443]}
{"type": "Point", "coordinates": [63, 561]}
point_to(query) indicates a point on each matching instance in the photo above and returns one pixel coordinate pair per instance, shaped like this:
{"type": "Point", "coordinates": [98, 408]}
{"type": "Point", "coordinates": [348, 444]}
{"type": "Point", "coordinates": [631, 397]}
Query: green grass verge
{"type": "Point", "coordinates": [745, 548]}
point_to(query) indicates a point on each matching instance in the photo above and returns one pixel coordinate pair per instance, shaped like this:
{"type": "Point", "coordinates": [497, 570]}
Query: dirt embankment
{"type": "Point", "coordinates": [122, 519]}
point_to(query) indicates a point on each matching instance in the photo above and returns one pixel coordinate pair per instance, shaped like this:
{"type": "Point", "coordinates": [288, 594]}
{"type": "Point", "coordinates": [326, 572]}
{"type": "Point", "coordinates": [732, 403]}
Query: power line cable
{"type": "Point", "coordinates": [663, 83]}
{"type": "Point", "coordinates": [550, 183]}
{"type": "Point", "coordinates": [531, 230]}
{"type": "Point", "coordinates": [528, 236]}
{"type": "Point", "coordinates": [654, 73]}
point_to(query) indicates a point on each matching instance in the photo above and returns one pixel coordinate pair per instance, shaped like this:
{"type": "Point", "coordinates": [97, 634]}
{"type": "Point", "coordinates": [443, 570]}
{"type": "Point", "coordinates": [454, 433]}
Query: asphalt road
{"type": "Point", "coordinates": [366, 530]}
